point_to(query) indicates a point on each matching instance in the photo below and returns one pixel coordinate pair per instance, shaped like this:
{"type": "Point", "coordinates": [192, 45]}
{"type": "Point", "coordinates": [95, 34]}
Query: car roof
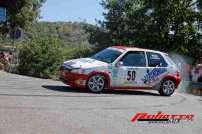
{"type": "Point", "coordinates": [137, 49]}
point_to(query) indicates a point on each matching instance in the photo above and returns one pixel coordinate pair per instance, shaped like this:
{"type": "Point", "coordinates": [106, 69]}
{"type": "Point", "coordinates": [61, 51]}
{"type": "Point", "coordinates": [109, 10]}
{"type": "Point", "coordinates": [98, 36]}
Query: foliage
{"type": "Point", "coordinates": [73, 37]}
{"type": "Point", "coordinates": [79, 51]}
{"type": "Point", "coordinates": [40, 57]}
{"type": "Point", "coordinates": [67, 32]}
{"type": "Point", "coordinates": [48, 45]}
{"type": "Point", "coordinates": [98, 37]}
{"type": "Point", "coordinates": [21, 13]}
{"type": "Point", "coordinates": [166, 25]}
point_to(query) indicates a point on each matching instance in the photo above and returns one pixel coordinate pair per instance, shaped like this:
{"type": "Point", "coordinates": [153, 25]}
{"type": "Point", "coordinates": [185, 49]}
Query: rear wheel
{"type": "Point", "coordinates": [167, 88]}
{"type": "Point", "coordinates": [96, 83]}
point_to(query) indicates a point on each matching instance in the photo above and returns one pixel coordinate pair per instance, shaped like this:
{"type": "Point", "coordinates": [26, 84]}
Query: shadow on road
{"type": "Point", "coordinates": [63, 89]}
{"type": "Point", "coordinates": [114, 92]}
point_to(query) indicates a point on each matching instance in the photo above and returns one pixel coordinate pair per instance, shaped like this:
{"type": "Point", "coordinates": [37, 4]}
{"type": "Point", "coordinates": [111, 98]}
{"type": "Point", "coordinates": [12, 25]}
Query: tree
{"type": "Point", "coordinates": [21, 13]}
{"type": "Point", "coordinates": [99, 37]}
{"type": "Point", "coordinates": [167, 25]}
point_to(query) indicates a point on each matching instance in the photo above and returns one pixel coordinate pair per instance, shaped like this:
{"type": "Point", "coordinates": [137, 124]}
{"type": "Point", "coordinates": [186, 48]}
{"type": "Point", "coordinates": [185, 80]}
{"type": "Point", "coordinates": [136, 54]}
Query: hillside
{"type": "Point", "coordinates": [69, 33]}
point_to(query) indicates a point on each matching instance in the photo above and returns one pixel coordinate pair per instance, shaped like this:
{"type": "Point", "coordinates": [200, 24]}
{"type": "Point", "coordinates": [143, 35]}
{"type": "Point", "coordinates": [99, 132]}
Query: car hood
{"type": "Point", "coordinates": [84, 63]}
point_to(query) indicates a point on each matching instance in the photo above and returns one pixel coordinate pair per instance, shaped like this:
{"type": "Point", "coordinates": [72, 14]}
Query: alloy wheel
{"type": "Point", "coordinates": [96, 83]}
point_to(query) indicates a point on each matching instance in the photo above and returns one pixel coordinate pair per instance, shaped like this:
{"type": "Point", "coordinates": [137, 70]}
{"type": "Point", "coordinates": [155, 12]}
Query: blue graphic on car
{"type": "Point", "coordinates": [153, 75]}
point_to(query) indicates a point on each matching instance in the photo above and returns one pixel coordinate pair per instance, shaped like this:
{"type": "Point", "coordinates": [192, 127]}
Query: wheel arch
{"type": "Point", "coordinates": [105, 74]}
{"type": "Point", "coordinates": [170, 77]}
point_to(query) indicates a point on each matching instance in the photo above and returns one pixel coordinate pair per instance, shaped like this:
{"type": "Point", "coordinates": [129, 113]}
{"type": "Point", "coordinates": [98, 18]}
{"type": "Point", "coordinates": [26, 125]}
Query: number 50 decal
{"type": "Point", "coordinates": [131, 76]}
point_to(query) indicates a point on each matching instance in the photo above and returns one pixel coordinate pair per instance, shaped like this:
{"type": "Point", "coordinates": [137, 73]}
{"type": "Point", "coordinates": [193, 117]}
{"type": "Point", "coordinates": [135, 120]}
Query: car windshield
{"type": "Point", "coordinates": [107, 55]}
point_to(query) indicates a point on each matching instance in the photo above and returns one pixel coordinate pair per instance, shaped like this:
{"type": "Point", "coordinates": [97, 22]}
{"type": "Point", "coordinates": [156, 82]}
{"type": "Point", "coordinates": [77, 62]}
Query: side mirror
{"type": "Point", "coordinates": [159, 65]}
{"type": "Point", "coordinates": [119, 64]}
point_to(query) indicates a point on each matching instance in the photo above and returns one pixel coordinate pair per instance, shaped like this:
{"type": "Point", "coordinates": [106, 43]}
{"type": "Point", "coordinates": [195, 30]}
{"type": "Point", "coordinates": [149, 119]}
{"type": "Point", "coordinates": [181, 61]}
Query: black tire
{"type": "Point", "coordinates": [167, 87]}
{"type": "Point", "coordinates": [96, 83]}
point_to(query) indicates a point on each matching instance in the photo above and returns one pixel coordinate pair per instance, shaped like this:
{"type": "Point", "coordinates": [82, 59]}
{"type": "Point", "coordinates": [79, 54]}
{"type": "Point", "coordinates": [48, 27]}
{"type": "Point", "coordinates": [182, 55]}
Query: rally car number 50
{"type": "Point", "coordinates": [131, 75]}
{"type": "Point", "coordinates": [120, 67]}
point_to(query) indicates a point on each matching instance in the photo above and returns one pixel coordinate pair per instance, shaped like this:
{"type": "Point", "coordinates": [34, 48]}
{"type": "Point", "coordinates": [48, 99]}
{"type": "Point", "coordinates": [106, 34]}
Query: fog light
{"type": "Point", "coordinates": [80, 82]}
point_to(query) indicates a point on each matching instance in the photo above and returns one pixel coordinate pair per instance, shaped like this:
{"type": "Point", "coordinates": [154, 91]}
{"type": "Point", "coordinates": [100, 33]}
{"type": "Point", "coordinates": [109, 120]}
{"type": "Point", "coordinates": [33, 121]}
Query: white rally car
{"type": "Point", "coordinates": [120, 67]}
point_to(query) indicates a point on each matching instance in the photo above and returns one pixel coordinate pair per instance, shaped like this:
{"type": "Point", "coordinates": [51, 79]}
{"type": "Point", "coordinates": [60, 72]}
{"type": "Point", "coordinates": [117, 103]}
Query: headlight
{"type": "Point", "coordinates": [67, 67]}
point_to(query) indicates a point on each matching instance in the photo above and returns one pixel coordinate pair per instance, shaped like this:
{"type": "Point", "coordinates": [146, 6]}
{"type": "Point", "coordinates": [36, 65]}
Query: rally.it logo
{"type": "Point", "coordinates": [161, 117]}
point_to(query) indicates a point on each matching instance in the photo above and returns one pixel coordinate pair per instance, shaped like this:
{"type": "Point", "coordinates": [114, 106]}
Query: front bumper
{"type": "Point", "coordinates": [73, 79]}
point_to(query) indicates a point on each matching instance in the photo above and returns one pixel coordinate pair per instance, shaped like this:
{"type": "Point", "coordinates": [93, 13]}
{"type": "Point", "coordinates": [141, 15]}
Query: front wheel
{"type": "Point", "coordinates": [96, 83]}
{"type": "Point", "coordinates": [167, 88]}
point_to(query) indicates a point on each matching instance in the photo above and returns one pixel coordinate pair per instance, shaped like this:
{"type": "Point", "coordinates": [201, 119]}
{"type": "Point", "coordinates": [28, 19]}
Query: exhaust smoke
{"type": "Point", "coordinates": [183, 63]}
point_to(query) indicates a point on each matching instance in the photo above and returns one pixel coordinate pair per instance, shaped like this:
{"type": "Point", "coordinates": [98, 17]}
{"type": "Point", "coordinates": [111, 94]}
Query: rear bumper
{"type": "Point", "coordinates": [177, 81]}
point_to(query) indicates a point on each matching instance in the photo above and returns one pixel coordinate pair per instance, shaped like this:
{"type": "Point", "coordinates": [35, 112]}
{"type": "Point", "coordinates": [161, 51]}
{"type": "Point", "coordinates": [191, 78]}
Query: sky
{"type": "Point", "coordinates": [72, 10]}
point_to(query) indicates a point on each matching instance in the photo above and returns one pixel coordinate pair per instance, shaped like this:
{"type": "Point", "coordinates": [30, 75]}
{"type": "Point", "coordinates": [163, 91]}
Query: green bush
{"type": "Point", "coordinates": [40, 56]}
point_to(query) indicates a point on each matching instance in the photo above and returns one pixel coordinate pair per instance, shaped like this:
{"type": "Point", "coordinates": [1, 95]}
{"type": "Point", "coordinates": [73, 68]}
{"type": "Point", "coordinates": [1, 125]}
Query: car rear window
{"type": "Point", "coordinates": [155, 59]}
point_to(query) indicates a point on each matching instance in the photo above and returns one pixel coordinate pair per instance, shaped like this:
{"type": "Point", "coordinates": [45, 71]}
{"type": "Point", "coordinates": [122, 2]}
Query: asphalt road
{"type": "Point", "coordinates": [37, 106]}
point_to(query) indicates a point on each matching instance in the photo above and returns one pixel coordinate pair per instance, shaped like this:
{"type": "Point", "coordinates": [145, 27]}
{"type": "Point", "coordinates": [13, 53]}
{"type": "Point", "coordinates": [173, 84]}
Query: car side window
{"type": "Point", "coordinates": [156, 60]}
{"type": "Point", "coordinates": [134, 59]}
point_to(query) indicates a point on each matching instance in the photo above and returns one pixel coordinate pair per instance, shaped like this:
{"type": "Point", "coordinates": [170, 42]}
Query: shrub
{"type": "Point", "coordinates": [40, 56]}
